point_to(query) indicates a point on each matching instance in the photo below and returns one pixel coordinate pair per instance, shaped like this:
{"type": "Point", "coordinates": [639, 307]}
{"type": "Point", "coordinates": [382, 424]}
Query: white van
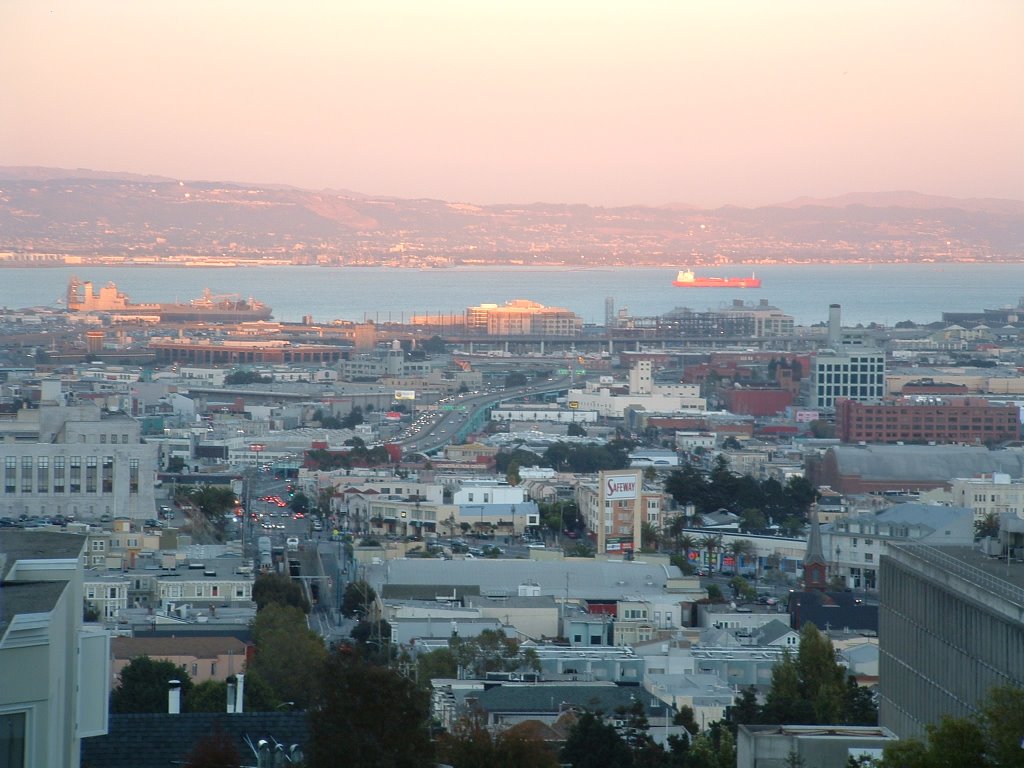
{"type": "Point", "coordinates": [292, 543]}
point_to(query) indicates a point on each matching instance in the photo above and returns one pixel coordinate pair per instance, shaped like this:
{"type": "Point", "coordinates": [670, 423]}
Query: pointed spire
{"type": "Point", "coordinates": [815, 554]}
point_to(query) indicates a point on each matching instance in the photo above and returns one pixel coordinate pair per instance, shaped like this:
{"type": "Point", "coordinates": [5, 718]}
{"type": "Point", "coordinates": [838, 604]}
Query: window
{"type": "Point", "coordinates": [10, 474]}
{"type": "Point", "coordinates": [43, 476]}
{"type": "Point", "coordinates": [58, 474]}
{"type": "Point", "coordinates": [12, 739]}
{"type": "Point", "coordinates": [195, 670]}
{"type": "Point", "coordinates": [75, 475]}
{"type": "Point", "coordinates": [26, 474]}
{"type": "Point", "coordinates": [91, 464]}
{"type": "Point", "coordinates": [108, 474]}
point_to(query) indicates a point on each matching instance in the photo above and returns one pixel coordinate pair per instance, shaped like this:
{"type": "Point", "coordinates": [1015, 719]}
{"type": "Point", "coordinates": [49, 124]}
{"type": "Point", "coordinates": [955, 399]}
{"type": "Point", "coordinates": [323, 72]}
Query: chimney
{"type": "Point", "coordinates": [239, 692]}
{"type": "Point", "coordinates": [835, 326]}
{"type": "Point", "coordinates": [231, 696]}
{"type": "Point", "coordinates": [174, 697]}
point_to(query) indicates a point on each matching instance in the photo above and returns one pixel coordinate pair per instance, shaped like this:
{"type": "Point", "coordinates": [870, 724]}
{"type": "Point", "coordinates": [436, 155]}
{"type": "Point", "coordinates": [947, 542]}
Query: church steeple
{"type": "Point", "coordinates": [815, 564]}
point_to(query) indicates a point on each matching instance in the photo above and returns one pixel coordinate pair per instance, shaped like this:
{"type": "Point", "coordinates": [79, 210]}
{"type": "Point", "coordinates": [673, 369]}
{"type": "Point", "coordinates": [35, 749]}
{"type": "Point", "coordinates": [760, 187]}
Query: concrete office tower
{"type": "Point", "coordinates": [949, 631]}
{"type": "Point", "coordinates": [835, 326]}
{"type": "Point", "coordinates": [609, 312]}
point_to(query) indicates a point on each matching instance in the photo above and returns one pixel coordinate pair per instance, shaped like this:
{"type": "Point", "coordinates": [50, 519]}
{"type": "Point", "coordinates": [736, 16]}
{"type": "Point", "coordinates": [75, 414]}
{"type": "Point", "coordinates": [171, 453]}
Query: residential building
{"type": "Point", "coordinates": [203, 657]}
{"type": "Point", "coordinates": [54, 670]}
{"type": "Point", "coordinates": [854, 544]}
{"type": "Point", "coordinates": [991, 494]}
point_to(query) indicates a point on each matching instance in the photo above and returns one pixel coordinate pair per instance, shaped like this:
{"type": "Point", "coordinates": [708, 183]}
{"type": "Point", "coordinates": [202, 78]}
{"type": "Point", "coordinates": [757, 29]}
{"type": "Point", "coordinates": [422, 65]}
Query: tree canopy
{"type": "Point", "coordinates": [288, 653]}
{"type": "Point", "coordinates": [276, 588]}
{"type": "Point", "coordinates": [810, 688]}
{"type": "Point", "coordinates": [367, 715]}
{"type": "Point", "coordinates": [742, 494]}
{"type": "Point", "coordinates": [143, 685]}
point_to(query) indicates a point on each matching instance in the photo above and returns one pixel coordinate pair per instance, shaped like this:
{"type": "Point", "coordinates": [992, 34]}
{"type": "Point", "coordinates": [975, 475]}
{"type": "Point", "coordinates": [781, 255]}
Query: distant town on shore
{"type": "Point", "coordinates": [54, 217]}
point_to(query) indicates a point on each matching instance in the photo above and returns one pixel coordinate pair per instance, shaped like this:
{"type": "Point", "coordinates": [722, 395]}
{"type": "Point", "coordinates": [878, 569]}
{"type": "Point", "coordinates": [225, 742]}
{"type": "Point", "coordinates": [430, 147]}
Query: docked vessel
{"type": "Point", "coordinates": [208, 308]}
{"type": "Point", "coordinates": [686, 279]}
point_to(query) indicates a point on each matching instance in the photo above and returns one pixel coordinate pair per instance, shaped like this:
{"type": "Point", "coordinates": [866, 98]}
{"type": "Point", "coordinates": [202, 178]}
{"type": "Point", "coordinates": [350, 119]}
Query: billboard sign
{"type": "Point", "coordinates": [620, 487]}
{"type": "Point", "coordinates": [405, 394]}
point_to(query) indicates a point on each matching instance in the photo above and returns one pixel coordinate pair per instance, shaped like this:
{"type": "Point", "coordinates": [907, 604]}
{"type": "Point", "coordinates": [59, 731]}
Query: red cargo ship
{"type": "Point", "coordinates": [686, 279]}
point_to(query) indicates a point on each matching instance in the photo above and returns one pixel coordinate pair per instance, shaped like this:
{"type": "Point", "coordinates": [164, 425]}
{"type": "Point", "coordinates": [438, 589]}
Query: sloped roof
{"type": "Point", "coordinates": [18, 597]}
{"type": "Point", "coordinates": [202, 647]}
{"type": "Point", "coordinates": [159, 740]}
{"type": "Point", "coordinates": [932, 463]}
{"type": "Point", "coordinates": [554, 698]}
{"type": "Point", "coordinates": [771, 632]}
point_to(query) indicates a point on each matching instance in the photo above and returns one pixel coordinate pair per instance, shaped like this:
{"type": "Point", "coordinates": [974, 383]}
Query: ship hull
{"type": "Point", "coordinates": [710, 282]}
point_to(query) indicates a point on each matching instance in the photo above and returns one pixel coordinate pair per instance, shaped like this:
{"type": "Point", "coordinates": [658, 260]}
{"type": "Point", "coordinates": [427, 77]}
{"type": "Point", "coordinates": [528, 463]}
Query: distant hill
{"type": "Point", "coordinates": [90, 213]}
{"type": "Point", "coordinates": [914, 200]}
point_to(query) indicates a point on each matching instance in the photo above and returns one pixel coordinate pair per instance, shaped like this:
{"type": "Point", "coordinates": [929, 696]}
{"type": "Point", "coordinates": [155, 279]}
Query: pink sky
{"type": "Point", "coordinates": [700, 101]}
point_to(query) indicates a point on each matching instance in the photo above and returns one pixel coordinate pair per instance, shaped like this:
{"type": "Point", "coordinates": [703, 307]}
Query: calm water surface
{"type": "Point", "coordinates": [867, 293]}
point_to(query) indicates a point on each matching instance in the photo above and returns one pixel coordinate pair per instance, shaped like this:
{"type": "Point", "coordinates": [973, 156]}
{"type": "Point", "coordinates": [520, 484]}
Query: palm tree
{"type": "Point", "coordinates": [711, 543]}
{"type": "Point", "coordinates": [738, 548]}
{"type": "Point", "coordinates": [687, 543]}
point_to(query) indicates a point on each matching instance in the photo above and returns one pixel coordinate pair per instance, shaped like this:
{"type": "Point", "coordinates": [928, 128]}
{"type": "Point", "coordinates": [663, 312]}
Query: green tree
{"type": "Point", "coordinates": [278, 589]}
{"type": "Point", "coordinates": [211, 696]}
{"type": "Point", "coordinates": [1002, 723]}
{"type": "Point", "coordinates": [288, 653]}
{"type": "Point", "coordinates": [358, 599]}
{"type": "Point", "coordinates": [575, 429]}
{"type": "Point", "coordinates": [367, 715]}
{"type": "Point", "coordinates": [515, 379]}
{"type": "Point", "coordinates": [353, 419]}
{"type": "Point", "coordinates": [746, 710]}
{"type": "Point", "coordinates": [471, 745]}
{"type": "Point", "coordinates": [143, 685]}
{"type": "Point", "coordinates": [594, 743]}
{"type": "Point", "coordinates": [813, 689]}
{"type": "Point", "coordinates": [246, 376]}
{"type": "Point", "coordinates": [175, 464]}
{"type": "Point", "coordinates": [441, 663]}
{"type": "Point", "coordinates": [988, 525]}
{"type": "Point", "coordinates": [213, 501]}
{"type": "Point", "coordinates": [299, 502]}
{"type": "Point", "coordinates": [649, 537]}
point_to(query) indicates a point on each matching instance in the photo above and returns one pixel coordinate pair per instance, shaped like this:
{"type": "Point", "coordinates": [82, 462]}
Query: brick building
{"type": "Point", "coordinates": [927, 419]}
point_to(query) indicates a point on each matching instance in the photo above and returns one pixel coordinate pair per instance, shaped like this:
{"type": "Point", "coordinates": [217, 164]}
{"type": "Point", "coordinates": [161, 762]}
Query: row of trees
{"type": "Point", "coordinates": [568, 457]}
{"type": "Point", "coordinates": [755, 501]}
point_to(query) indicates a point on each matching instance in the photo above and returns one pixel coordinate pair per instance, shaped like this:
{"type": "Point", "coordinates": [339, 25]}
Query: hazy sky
{"type": "Point", "coordinates": [698, 101]}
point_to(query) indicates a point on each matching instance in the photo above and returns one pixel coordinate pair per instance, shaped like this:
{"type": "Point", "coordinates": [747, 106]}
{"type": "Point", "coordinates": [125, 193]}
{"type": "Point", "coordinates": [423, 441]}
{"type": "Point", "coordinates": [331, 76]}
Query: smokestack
{"type": "Point", "coordinates": [174, 697]}
{"type": "Point", "coordinates": [835, 326]}
{"type": "Point", "coordinates": [231, 696]}
{"type": "Point", "coordinates": [239, 692]}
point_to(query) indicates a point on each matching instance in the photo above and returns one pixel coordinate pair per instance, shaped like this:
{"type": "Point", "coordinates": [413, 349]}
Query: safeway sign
{"type": "Point", "coordinates": [619, 487]}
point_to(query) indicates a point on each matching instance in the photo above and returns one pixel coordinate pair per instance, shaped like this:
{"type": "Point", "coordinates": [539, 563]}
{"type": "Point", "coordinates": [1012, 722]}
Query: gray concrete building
{"type": "Point", "coordinates": [951, 627]}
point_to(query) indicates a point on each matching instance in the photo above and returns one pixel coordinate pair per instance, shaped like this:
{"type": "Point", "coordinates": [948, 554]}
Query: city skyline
{"type": "Point", "coordinates": [702, 104]}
